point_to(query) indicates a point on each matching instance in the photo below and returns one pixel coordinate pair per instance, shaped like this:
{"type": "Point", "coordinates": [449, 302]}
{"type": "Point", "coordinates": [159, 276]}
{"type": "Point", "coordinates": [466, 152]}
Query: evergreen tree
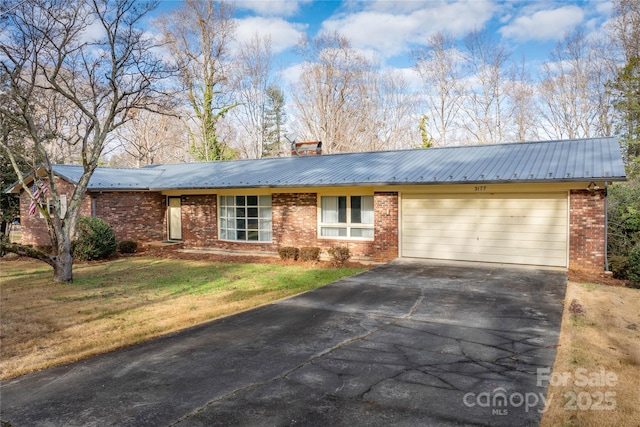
{"type": "Point", "coordinates": [275, 118]}
{"type": "Point", "coordinates": [626, 91]}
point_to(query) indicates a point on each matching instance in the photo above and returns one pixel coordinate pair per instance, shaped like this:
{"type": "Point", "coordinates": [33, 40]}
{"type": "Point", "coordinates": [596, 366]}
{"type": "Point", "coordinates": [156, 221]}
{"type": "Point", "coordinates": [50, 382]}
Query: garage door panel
{"type": "Point", "coordinates": [440, 230]}
{"type": "Point", "coordinates": [506, 228]}
{"type": "Point", "coordinates": [540, 240]}
{"type": "Point", "coordinates": [533, 221]}
{"type": "Point", "coordinates": [515, 228]}
{"type": "Point", "coordinates": [439, 219]}
{"type": "Point", "coordinates": [523, 245]}
{"type": "Point", "coordinates": [463, 253]}
{"type": "Point", "coordinates": [460, 240]}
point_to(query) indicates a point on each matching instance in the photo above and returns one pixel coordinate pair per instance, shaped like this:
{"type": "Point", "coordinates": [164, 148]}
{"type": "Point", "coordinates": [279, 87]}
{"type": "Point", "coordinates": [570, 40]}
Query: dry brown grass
{"type": "Point", "coordinates": [125, 301]}
{"type": "Point", "coordinates": [600, 334]}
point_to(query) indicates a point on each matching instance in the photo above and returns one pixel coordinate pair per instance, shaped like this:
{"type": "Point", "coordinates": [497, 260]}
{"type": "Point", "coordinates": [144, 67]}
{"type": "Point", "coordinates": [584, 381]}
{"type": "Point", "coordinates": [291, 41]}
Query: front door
{"type": "Point", "coordinates": [175, 219]}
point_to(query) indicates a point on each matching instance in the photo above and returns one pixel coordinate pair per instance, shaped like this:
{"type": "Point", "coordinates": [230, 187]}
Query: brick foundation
{"type": "Point", "coordinates": [587, 230]}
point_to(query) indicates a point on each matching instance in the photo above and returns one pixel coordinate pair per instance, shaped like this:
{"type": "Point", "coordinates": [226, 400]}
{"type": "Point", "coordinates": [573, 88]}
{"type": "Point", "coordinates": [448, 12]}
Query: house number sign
{"type": "Point", "coordinates": [480, 188]}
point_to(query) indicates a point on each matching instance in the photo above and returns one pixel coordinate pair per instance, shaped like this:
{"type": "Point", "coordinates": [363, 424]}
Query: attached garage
{"type": "Point", "coordinates": [506, 228]}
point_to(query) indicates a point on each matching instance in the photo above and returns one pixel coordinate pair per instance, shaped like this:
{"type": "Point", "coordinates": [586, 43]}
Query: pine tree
{"type": "Point", "coordinates": [275, 118]}
{"type": "Point", "coordinates": [626, 91]}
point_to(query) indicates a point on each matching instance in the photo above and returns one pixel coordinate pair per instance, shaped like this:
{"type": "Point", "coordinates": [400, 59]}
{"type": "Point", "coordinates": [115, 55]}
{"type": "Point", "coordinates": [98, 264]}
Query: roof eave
{"type": "Point", "coordinates": [390, 183]}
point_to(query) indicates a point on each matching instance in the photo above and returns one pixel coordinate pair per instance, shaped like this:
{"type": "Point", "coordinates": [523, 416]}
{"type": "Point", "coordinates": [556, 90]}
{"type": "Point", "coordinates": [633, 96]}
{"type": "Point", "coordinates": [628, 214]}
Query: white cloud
{"type": "Point", "coordinates": [291, 75]}
{"type": "Point", "coordinates": [272, 7]}
{"type": "Point", "coordinates": [544, 24]}
{"type": "Point", "coordinates": [604, 8]}
{"type": "Point", "coordinates": [283, 34]}
{"type": "Point", "coordinates": [391, 29]}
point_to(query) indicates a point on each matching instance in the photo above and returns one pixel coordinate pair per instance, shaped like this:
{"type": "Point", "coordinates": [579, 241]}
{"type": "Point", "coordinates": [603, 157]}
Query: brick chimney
{"type": "Point", "coordinates": [306, 148]}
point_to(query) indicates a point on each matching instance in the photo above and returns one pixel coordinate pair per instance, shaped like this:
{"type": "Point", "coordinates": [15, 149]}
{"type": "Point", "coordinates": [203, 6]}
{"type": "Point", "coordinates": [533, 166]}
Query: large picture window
{"type": "Point", "coordinates": [346, 216]}
{"type": "Point", "coordinates": [245, 218]}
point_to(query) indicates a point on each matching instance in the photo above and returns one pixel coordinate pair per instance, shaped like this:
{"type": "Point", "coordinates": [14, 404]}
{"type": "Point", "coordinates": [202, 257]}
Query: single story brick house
{"type": "Point", "coordinates": [534, 203]}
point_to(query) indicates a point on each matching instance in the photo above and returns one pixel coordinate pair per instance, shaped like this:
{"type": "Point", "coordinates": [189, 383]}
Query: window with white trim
{"type": "Point", "coordinates": [346, 217]}
{"type": "Point", "coordinates": [63, 205]}
{"type": "Point", "coordinates": [245, 218]}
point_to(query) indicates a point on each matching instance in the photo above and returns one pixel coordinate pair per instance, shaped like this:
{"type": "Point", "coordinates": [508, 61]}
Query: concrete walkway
{"type": "Point", "coordinates": [408, 343]}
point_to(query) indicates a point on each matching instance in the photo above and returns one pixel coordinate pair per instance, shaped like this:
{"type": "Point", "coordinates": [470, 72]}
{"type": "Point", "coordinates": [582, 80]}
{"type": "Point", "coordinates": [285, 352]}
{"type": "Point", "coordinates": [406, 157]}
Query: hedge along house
{"type": "Point", "coordinates": [537, 203]}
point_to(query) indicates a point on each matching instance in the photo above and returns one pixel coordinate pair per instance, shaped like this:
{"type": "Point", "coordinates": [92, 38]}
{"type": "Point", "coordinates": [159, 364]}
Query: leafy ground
{"type": "Point", "coordinates": [596, 376]}
{"type": "Point", "coordinates": [128, 300]}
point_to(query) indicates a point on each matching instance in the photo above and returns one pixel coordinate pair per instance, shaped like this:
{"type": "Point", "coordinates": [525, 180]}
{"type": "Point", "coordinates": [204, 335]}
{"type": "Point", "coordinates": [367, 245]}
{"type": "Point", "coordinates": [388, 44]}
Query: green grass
{"type": "Point", "coordinates": [125, 301]}
{"type": "Point", "coordinates": [179, 277]}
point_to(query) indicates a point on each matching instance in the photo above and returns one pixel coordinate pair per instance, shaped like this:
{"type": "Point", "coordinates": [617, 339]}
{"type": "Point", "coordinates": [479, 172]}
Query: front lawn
{"type": "Point", "coordinates": [129, 300]}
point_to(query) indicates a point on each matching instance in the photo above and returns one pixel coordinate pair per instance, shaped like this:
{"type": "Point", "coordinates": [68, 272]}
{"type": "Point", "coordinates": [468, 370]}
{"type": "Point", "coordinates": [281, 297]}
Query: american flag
{"type": "Point", "coordinates": [37, 195]}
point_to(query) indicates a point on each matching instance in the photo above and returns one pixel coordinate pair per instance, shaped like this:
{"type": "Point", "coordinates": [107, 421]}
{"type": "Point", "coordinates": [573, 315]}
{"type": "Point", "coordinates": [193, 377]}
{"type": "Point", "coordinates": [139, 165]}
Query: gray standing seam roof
{"type": "Point", "coordinates": [596, 159]}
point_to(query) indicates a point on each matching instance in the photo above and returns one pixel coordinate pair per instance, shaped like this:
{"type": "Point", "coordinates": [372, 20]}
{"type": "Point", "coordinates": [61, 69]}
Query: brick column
{"type": "Point", "coordinates": [587, 230]}
{"type": "Point", "coordinates": [385, 205]}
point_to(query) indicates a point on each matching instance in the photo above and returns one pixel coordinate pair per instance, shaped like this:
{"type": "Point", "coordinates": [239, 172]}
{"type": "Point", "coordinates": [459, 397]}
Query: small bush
{"type": "Point", "coordinates": [94, 239]}
{"type": "Point", "coordinates": [288, 252]}
{"type": "Point", "coordinates": [310, 253]}
{"type": "Point", "coordinates": [619, 266]}
{"type": "Point", "coordinates": [340, 254]}
{"type": "Point", "coordinates": [128, 247]}
{"type": "Point", "coordinates": [633, 269]}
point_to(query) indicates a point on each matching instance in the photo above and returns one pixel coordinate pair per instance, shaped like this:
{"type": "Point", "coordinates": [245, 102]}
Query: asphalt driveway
{"type": "Point", "coordinates": [408, 343]}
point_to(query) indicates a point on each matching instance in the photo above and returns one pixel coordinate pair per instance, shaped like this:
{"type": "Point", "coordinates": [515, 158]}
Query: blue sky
{"type": "Point", "coordinates": [391, 29]}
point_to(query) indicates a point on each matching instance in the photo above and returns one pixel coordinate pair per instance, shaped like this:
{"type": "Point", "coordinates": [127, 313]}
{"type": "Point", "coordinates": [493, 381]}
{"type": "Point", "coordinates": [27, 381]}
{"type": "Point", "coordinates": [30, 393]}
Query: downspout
{"type": "Point", "coordinates": [606, 227]}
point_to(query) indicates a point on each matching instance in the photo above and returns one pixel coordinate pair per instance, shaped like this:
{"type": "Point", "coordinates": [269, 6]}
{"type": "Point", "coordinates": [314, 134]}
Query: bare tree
{"type": "Point", "coordinates": [438, 63]}
{"type": "Point", "coordinates": [198, 36]}
{"type": "Point", "coordinates": [574, 102]}
{"type": "Point", "coordinates": [485, 112]}
{"type": "Point", "coordinates": [390, 111]}
{"type": "Point", "coordinates": [149, 138]}
{"type": "Point", "coordinates": [329, 93]}
{"type": "Point", "coordinates": [48, 56]}
{"type": "Point", "coordinates": [253, 71]}
{"type": "Point", "coordinates": [521, 92]}
{"type": "Point", "coordinates": [625, 28]}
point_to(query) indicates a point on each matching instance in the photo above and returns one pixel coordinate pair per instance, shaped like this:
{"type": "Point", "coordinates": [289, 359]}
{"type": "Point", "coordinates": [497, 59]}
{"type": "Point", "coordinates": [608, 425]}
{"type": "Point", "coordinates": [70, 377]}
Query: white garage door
{"type": "Point", "coordinates": [516, 229]}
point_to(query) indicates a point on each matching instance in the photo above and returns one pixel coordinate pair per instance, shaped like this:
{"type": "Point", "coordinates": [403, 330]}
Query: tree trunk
{"type": "Point", "coordinates": [62, 267]}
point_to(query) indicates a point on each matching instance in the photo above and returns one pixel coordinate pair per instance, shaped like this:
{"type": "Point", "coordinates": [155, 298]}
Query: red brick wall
{"type": "Point", "coordinates": [295, 223]}
{"type": "Point", "coordinates": [34, 228]}
{"type": "Point", "coordinates": [135, 216]}
{"type": "Point", "coordinates": [199, 220]}
{"type": "Point", "coordinates": [587, 230]}
{"type": "Point", "coordinates": [386, 233]}
{"type": "Point", "coordinates": [132, 215]}
{"type": "Point", "coordinates": [295, 219]}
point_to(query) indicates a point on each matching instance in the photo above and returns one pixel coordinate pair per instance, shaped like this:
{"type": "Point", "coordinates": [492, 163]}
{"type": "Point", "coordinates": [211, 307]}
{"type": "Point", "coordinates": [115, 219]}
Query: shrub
{"type": "Point", "coordinates": [310, 253]}
{"type": "Point", "coordinates": [619, 266]}
{"type": "Point", "coordinates": [128, 247]}
{"type": "Point", "coordinates": [288, 252]}
{"type": "Point", "coordinates": [94, 239]}
{"type": "Point", "coordinates": [624, 217]}
{"type": "Point", "coordinates": [340, 254]}
{"type": "Point", "coordinates": [633, 269]}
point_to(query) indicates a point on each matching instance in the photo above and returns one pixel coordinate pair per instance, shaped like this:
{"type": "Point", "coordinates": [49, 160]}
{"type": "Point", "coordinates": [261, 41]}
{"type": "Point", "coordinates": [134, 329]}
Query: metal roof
{"type": "Point", "coordinates": [596, 159]}
{"type": "Point", "coordinates": [550, 161]}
